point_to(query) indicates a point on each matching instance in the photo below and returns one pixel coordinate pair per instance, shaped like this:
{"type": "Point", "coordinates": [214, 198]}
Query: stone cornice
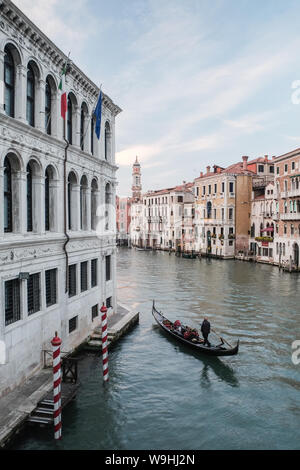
{"type": "Point", "coordinates": [29, 31]}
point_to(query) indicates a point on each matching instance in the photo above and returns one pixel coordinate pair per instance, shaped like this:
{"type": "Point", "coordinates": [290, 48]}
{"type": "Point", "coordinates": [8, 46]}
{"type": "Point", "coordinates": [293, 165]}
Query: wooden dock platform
{"type": "Point", "coordinates": [43, 414]}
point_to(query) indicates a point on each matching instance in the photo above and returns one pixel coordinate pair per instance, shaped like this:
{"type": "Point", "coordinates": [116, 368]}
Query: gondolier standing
{"type": "Point", "coordinates": [205, 330]}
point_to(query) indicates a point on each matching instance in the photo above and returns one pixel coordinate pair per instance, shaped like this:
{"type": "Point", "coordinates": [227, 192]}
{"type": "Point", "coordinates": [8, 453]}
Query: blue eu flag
{"type": "Point", "coordinates": [97, 115]}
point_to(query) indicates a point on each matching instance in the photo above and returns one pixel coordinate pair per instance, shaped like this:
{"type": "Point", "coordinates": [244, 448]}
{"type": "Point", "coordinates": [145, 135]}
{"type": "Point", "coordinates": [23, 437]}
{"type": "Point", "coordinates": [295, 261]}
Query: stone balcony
{"type": "Point", "coordinates": [294, 192]}
{"type": "Point", "coordinates": [290, 216]}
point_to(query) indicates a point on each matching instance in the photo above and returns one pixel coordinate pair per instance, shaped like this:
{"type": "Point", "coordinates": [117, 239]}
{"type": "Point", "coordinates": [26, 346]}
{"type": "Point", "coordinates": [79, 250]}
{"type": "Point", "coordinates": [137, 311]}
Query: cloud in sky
{"type": "Point", "coordinates": [199, 82]}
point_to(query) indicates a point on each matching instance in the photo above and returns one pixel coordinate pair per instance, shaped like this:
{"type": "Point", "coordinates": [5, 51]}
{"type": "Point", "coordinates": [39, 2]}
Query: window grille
{"type": "Point", "coordinates": [12, 301]}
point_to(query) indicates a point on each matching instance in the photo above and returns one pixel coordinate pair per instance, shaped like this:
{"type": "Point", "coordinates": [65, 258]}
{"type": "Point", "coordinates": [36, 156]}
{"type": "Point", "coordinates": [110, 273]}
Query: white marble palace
{"type": "Point", "coordinates": [55, 267]}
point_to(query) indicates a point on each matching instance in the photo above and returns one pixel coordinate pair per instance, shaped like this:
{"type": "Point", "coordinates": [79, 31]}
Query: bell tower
{"type": "Point", "coordinates": [136, 181]}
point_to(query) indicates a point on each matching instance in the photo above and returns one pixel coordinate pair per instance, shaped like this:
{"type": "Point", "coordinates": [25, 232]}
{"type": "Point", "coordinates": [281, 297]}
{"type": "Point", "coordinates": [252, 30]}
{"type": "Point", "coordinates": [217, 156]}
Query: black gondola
{"type": "Point", "coordinates": [219, 350]}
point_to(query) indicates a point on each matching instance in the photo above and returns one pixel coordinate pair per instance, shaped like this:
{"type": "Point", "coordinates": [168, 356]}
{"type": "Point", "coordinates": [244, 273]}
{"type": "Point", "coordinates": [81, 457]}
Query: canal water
{"type": "Point", "coordinates": [163, 396]}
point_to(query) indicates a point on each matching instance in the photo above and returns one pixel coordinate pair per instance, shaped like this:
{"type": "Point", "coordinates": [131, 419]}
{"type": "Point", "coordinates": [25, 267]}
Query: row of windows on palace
{"type": "Point", "coordinates": [49, 111]}
{"type": "Point", "coordinates": [11, 198]}
{"type": "Point", "coordinates": [13, 288]}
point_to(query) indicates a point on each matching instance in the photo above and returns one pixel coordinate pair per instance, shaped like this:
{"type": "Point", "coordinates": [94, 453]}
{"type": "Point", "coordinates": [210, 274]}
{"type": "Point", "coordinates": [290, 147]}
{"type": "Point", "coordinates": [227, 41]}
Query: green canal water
{"type": "Point", "coordinates": [163, 396]}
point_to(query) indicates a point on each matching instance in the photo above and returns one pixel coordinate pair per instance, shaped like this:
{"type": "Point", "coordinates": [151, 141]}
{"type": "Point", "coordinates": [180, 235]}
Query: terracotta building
{"type": "Point", "coordinates": [287, 214]}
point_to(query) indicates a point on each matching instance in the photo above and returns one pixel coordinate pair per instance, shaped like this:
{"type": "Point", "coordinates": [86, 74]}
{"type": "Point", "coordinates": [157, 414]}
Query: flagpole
{"type": "Point", "coordinates": [93, 110]}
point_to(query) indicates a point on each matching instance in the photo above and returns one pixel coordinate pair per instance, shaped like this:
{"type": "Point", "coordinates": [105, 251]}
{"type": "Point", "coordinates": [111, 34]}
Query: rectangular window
{"type": "Point", "coordinates": [286, 168]}
{"type": "Point", "coordinates": [33, 293]}
{"type": "Point", "coordinates": [231, 187]}
{"type": "Point", "coordinates": [109, 302]}
{"type": "Point", "coordinates": [94, 265]}
{"type": "Point", "coordinates": [72, 280]}
{"type": "Point", "coordinates": [277, 170]}
{"type": "Point", "coordinates": [108, 267]}
{"type": "Point", "coordinates": [73, 324]}
{"type": "Point", "coordinates": [265, 251]}
{"type": "Point", "coordinates": [261, 168]}
{"type": "Point", "coordinates": [12, 301]}
{"type": "Point", "coordinates": [94, 312]}
{"type": "Point", "coordinates": [50, 282]}
{"type": "Point", "coordinates": [293, 165]}
{"type": "Point", "coordinates": [223, 187]}
{"type": "Point", "coordinates": [83, 276]}
{"type": "Point", "coordinates": [203, 190]}
{"type": "Point", "coordinates": [271, 252]}
{"type": "Point", "coordinates": [216, 188]}
{"type": "Point", "coordinates": [230, 213]}
{"type": "Point", "coordinates": [272, 169]}
{"type": "Point", "coordinates": [209, 189]}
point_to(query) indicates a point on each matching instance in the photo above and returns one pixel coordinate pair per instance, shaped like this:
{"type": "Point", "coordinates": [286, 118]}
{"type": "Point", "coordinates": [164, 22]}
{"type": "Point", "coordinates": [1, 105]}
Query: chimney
{"type": "Point", "coordinates": [201, 174]}
{"type": "Point", "coordinates": [274, 156]}
{"type": "Point", "coordinates": [218, 169]}
{"type": "Point", "coordinates": [208, 169]}
{"type": "Point", "coordinates": [266, 158]}
{"type": "Point", "coordinates": [245, 159]}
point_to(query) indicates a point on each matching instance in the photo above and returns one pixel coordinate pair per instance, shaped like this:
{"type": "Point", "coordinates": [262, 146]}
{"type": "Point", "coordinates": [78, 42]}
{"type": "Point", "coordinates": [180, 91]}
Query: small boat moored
{"type": "Point", "coordinates": [195, 343]}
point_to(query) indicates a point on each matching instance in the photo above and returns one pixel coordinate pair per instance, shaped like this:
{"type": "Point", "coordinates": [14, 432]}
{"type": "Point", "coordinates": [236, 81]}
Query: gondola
{"type": "Point", "coordinates": [213, 350]}
{"type": "Point", "coordinates": [189, 255]}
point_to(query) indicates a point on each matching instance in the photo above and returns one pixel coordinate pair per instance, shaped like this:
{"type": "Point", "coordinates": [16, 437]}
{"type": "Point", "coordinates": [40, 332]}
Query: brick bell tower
{"type": "Point", "coordinates": [136, 181]}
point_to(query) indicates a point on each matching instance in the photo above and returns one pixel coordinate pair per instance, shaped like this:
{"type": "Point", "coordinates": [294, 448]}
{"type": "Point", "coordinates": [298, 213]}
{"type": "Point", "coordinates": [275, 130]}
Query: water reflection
{"type": "Point", "coordinates": [221, 370]}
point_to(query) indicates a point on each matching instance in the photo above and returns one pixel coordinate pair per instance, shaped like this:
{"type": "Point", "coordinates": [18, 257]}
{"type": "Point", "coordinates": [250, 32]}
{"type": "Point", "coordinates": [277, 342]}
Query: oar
{"type": "Point", "coordinates": [222, 339]}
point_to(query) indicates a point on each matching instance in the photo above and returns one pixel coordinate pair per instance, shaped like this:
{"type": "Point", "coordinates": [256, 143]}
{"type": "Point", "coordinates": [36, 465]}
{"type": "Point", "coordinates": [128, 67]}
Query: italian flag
{"type": "Point", "coordinates": [62, 87]}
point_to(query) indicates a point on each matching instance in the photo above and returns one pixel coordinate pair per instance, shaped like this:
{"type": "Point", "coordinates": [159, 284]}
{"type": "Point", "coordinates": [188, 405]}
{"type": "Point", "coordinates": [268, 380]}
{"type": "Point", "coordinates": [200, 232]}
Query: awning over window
{"type": "Point", "coordinates": [268, 229]}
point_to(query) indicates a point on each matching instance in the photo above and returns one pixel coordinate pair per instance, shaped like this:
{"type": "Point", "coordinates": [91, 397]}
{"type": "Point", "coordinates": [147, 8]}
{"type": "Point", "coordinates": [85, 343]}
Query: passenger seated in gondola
{"type": "Point", "coordinates": [177, 326]}
{"type": "Point", "coordinates": [191, 334]}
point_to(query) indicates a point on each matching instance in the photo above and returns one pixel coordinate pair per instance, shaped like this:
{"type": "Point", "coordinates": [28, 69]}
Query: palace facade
{"type": "Point", "coordinates": [57, 197]}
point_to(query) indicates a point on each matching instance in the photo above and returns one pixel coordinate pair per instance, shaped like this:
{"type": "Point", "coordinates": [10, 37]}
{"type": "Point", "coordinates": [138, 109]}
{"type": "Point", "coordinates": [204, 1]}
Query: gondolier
{"type": "Point", "coordinates": [205, 330]}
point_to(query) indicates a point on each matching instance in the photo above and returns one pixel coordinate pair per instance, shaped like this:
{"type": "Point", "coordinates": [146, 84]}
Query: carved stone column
{"type": "Point", "coordinates": [40, 105]}
{"type": "Point", "coordinates": [38, 199]}
{"type": "Point", "coordinates": [76, 127]}
{"type": "Point", "coordinates": [21, 93]}
{"type": "Point", "coordinates": [19, 201]}
{"type": "Point", "coordinates": [88, 208]}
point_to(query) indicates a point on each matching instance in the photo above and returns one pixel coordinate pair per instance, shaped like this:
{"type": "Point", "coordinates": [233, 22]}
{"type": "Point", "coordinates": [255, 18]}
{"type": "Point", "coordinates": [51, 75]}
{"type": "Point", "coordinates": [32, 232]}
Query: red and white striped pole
{"type": "Point", "coordinates": [103, 311]}
{"type": "Point", "coordinates": [56, 342]}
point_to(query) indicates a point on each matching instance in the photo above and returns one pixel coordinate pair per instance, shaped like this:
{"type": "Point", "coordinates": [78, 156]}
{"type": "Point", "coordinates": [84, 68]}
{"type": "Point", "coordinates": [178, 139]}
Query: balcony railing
{"type": "Point", "coordinates": [294, 193]}
{"type": "Point", "coordinates": [290, 216]}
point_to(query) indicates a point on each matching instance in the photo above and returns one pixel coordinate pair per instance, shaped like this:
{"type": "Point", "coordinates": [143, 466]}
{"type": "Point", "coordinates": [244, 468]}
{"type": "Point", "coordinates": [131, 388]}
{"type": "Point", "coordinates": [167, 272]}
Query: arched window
{"type": "Point", "coordinates": [48, 97]}
{"type": "Point", "coordinates": [69, 120]}
{"type": "Point", "coordinates": [94, 204]}
{"type": "Point", "coordinates": [82, 128]}
{"type": "Point", "coordinates": [107, 141]}
{"type": "Point", "coordinates": [29, 198]}
{"type": "Point", "coordinates": [30, 96]}
{"type": "Point", "coordinates": [72, 201]}
{"type": "Point", "coordinates": [208, 208]}
{"type": "Point", "coordinates": [92, 135]}
{"type": "Point", "coordinates": [50, 199]}
{"type": "Point", "coordinates": [8, 227]}
{"type": "Point", "coordinates": [107, 206]}
{"type": "Point", "coordinates": [83, 203]}
{"type": "Point", "coordinates": [9, 83]}
{"type": "Point", "coordinates": [47, 200]}
{"type": "Point", "coordinates": [83, 115]}
{"type": "Point", "coordinates": [253, 230]}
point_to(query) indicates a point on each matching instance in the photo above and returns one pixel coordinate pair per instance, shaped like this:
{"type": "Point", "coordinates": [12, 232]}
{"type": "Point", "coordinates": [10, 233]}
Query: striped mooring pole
{"type": "Point", "coordinates": [56, 342]}
{"type": "Point", "coordinates": [103, 311]}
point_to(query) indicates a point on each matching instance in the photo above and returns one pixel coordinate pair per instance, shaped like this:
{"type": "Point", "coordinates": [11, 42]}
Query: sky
{"type": "Point", "coordinates": [200, 82]}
